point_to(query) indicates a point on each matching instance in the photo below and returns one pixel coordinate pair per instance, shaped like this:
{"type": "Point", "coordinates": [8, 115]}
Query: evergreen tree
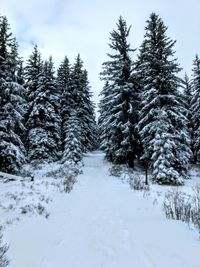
{"type": "Point", "coordinates": [53, 120]}
{"type": "Point", "coordinates": [87, 116]}
{"type": "Point", "coordinates": [42, 117]}
{"type": "Point", "coordinates": [6, 41]}
{"type": "Point", "coordinates": [62, 81]}
{"type": "Point", "coordinates": [187, 98]}
{"type": "Point", "coordinates": [11, 127]}
{"type": "Point", "coordinates": [20, 74]}
{"type": "Point", "coordinates": [187, 94]}
{"type": "Point", "coordinates": [3, 250]}
{"type": "Point", "coordinates": [195, 110]}
{"type": "Point", "coordinates": [103, 111]}
{"type": "Point", "coordinates": [77, 97]}
{"type": "Point", "coordinates": [163, 124]}
{"type": "Point", "coordinates": [14, 60]}
{"type": "Point", "coordinates": [72, 144]}
{"type": "Point", "coordinates": [12, 104]}
{"type": "Point", "coordinates": [63, 75]}
{"type": "Point", "coordinates": [119, 107]}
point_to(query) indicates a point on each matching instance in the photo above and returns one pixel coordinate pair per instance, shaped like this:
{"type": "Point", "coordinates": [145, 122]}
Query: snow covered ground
{"type": "Point", "coordinates": [100, 223]}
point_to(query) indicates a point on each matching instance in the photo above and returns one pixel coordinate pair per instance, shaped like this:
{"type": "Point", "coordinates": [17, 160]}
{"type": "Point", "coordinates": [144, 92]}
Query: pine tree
{"type": "Point", "coordinates": [187, 98]}
{"type": "Point", "coordinates": [162, 124]}
{"type": "Point", "coordinates": [3, 250]}
{"type": "Point", "coordinates": [53, 120]}
{"type": "Point", "coordinates": [195, 110]}
{"type": "Point", "coordinates": [42, 117]}
{"type": "Point", "coordinates": [20, 74]}
{"type": "Point", "coordinates": [119, 107]}
{"type": "Point", "coordinates": [12, 104]}
{"type": "Point", "coordinates": [77, 97]}
{"type": "Point", "coordinates": [187, 94]}
{"type": "Point", "coordinates": [11, 127]}
{"type": "Point", "coordinates": [33, 74]}
{"type": "Point", "coordinates": [63, 75]}
{"type": "Point", "coordinates": [14, 60]}
{"type": "Point", "coordinates": [103, 111]}
{"type": "Point", "coordinates": [6, 40]}
{"type": "Point", "coordinates": [87, 116]}
{"type": "Point", "coordinates": [72, 143]}
{"type": "Point", "coordinates": [62, 82]}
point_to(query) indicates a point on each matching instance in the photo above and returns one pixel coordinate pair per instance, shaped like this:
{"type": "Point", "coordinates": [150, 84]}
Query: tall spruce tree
{"type": "Point", "coordinates": [63, 75]}
{"type": "Point", "coordinates": [20, 74]}
{"type": "Point", "coordinates": [5, 49]}
{"type": "Point", "coordinates": [12, 103]}
{"type": "Point", "coordinates": [53, 120]}
{"type": "Point", "coordinates": [72, 153]}
{"type": "Point", "coordinates": [163, 124]}
{"type": "Point", "coordinates": [87, 116]}
{"type": "Point", "coordinates": [71, 141]}
{"type": "Point", "coordinates": [77, 97]}
{"type": "Point", "coordinates": [62, 82]}
{"type": "Point", "coordinates": [103, 111]}
{"type": "Point", "coordinates": [119, 106]}
{"type": "Point", "coordinates": [12, 151]}
{"type": "Point", "coordinates": [42, 117]}
{"type": "Point", "coordinates": [195, 110]}
{"type": "Point", "coordinates": [187, 94]}
{"type": "Point", "coordinates": [187, 98]}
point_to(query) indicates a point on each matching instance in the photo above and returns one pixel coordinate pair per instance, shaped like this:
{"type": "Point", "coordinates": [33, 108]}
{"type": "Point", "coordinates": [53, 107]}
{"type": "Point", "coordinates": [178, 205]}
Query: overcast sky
{"type": "Point", "coordinates": [69, 27]}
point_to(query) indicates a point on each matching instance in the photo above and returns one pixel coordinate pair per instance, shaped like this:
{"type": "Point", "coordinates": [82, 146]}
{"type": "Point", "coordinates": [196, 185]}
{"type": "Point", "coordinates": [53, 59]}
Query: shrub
{"type": "Point", "coordinates": [177, 206]}
{"type": "Point", "coordinates": [137, 183]}
{"type": "Point", "coordinates": [181, 206]}
{"type": "Point", "coordinates": [3, 249]}
{"type": "Point", "coordinates": [69, 182]}
{"type": "Point", "coordinates": [116, 170]}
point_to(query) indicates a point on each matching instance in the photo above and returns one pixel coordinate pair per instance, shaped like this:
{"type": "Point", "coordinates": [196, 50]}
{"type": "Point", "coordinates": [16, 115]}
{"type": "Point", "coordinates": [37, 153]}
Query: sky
{"type": "Point", "coordinates": [69, 27]}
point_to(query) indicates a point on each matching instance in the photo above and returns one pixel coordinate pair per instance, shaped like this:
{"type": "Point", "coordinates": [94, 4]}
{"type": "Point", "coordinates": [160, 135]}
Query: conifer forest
{"type": "Point", "coordinates": [140, 144]}
{"type": "Point", "coordinates": [147, 111]}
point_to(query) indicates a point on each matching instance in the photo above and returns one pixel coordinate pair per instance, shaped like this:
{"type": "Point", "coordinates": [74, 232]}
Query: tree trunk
{"type": "Point", "coordinates": [130, 160]}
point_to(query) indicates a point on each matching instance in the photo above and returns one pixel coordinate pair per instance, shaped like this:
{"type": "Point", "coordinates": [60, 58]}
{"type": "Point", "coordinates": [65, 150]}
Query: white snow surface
{"type": "Point", "coordinates": [101, 223]}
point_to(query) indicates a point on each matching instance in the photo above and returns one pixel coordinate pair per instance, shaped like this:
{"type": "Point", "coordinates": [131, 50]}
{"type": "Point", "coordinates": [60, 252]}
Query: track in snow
{"type": "Point", "coordinates": [102, 223]}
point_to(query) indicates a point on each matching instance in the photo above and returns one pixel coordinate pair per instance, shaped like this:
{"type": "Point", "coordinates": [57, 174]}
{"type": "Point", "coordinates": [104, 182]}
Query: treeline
{"type": "Point", "coordinates": [147, 111]}
{"type": "Point", "coordinates": [43, 117]}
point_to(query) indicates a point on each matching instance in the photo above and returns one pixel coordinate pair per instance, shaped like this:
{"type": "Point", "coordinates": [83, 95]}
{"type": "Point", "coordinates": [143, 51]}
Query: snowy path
{"type": "Point", "coordinates": [102, 223]}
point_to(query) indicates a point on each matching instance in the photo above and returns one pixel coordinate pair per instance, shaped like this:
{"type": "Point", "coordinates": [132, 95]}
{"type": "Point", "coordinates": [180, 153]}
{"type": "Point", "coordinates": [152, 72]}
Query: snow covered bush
{"type": "Point", "coordinates": [116, 170]}
{"type": "Point", "coordinates": [56, 173]}
{"type": "Point", "coordinates": [38, 209]}
{"type": "Point", "coordinates": [71, 172]}
{"type": "Point", "coordinates": [137, 183]}
{"type": "Point", "coordinates": [68, 182]}
{"type": "Point", "coordinates": [41, 210]}
{"type": "Point", "coordinates": [178, 205]}
{"type": "Point", "coordinates": [65, 169]}
{"type": "Point", "coordinates": [3, 249]}
{"type": "Point", "coordinates": [196, 207]}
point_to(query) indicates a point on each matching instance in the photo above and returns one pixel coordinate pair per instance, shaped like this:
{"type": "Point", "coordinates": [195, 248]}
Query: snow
{"type": "Point", "coordinates": [100, 223]}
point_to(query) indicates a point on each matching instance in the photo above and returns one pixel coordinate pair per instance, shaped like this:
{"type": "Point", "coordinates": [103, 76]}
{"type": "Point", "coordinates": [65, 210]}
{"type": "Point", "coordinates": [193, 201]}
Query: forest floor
{"type": "Point", "coordinates": [102, 222]}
